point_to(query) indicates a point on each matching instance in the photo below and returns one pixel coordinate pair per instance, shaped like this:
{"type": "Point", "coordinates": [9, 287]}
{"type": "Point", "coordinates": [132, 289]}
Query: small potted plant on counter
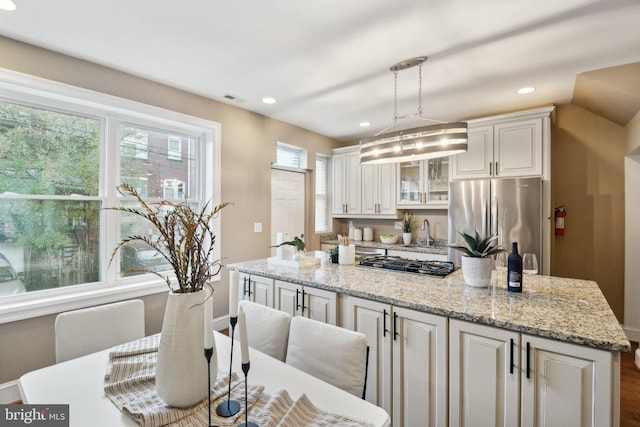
{"type": "Point", "coordinates": [477, 261]}
{"type": "Point", "coordinates": [407, 225]}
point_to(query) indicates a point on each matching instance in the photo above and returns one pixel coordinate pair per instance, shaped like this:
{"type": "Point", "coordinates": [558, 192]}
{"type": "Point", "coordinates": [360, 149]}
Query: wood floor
{"type": "Point", "coordinates": [629, 389]}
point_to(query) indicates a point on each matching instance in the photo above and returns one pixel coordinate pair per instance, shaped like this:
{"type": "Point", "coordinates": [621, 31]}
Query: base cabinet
{"type": "Point", "coordinates": [298, 300]}
{"type": "Point", "coordinates": [407, 373]}
{"type": "Point", "coordinates": [504, 378]}
{"type": "Point", "coordinates": [257, 289]}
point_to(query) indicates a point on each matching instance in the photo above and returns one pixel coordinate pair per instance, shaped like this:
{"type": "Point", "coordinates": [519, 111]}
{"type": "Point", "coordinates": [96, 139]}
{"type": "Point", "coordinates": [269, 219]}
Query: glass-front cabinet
{"type": "Point", "coordinates": [424, 183]}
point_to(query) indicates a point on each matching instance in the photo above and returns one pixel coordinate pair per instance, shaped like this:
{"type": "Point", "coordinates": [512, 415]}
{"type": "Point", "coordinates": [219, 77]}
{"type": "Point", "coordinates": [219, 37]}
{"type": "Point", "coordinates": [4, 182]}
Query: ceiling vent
{"type": "Point", "coordinates": [235, 98]}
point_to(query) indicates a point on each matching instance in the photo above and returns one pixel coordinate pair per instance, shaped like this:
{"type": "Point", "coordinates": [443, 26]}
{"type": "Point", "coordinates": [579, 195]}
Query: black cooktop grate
{"type": "Point", "coordinates": [430, 268]}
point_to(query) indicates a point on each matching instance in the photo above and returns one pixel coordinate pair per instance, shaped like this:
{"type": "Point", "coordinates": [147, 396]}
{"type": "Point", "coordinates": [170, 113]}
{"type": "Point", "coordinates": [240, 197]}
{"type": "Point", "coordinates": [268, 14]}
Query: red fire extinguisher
{"type": "Point", "coordinates": [560, 214]}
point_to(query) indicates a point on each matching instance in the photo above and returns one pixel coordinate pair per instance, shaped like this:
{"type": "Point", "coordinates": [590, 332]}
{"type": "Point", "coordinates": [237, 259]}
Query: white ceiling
{"type": "Point", "coordinates": [327, 62]}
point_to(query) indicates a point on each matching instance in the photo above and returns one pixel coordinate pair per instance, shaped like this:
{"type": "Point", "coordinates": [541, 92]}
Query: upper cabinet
{"type": "Point", "coordinates": [346, 181]}
{"type": "Point", "coordinates": [424, 184]}
{"type": "Point", "coordinates": [379, 189]}
{"type": "Point", "coordinates": [511, 145]}
{"type": "Point", "coordinates": [362, 190]}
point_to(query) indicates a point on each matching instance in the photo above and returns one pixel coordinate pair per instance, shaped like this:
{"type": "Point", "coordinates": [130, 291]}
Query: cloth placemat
{"type": "Point", "coordinates": [130, 385]}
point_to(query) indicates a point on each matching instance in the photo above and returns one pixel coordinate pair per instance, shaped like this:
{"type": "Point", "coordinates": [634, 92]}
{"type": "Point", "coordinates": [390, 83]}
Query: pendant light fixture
{"type": "Point", "coordinates": [426, 142]}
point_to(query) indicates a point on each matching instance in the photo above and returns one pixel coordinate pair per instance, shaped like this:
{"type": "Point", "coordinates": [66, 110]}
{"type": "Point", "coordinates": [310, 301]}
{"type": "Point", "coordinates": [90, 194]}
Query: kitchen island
{"type": "Point", "coordinates": [455, 355]}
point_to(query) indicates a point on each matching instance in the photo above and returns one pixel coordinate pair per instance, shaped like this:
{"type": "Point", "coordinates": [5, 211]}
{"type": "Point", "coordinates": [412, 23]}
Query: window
{"type": "Point", "coordinates": [291, 156]}
{"type": "Point", "coordinates": [56, 237]}
{"type": "Point", "coordinates": [322, 196]}
{"type": "Point", "coordinates": [174, 148]}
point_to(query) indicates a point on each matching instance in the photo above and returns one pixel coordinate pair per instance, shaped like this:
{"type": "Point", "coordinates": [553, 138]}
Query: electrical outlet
{"type": "Point", "coordinates": [257, 227]}
{"type": "Point", "coordinates": [397, 225]}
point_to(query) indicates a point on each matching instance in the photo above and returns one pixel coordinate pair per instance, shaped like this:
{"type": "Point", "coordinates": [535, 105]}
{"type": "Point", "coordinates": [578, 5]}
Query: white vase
{"type": "Point", "coordinates": [406, 238]}
{"type": "Point", "coordinates": [477, 271]}
{"type": "Point", "coordinates": [181, 370]}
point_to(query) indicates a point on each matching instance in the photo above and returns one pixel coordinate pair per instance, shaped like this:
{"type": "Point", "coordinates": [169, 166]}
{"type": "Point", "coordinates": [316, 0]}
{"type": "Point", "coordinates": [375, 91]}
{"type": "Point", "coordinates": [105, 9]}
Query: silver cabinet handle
{"type": "Point", "coordinates": [490, 168]}
{"type": "Point", "coordinates": [496, 168]}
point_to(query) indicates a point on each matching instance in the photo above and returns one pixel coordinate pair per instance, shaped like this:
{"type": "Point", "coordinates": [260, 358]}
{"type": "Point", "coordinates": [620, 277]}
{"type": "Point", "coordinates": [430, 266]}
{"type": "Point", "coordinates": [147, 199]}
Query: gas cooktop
{"type": "Point", "coordinates": [429, 268]}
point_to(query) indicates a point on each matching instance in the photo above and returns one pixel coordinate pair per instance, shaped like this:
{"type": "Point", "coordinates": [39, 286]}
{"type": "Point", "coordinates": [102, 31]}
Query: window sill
{"type": "Point", "coordinates": [27, 306]}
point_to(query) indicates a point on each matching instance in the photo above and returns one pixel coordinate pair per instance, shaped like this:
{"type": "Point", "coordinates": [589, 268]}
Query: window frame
{"type": "Point", "coordinates": [326, 196]}
{"type": "Point", "coordinates": [112, 111]}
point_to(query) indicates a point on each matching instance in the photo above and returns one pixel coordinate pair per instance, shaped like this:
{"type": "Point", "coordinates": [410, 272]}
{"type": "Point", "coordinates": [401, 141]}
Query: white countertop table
{"type": "Point", "coordinates": [79, 383]}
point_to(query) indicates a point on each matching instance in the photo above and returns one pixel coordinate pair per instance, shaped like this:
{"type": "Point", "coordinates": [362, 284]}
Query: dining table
{"type": "Point", "coordinates": [80, 384]}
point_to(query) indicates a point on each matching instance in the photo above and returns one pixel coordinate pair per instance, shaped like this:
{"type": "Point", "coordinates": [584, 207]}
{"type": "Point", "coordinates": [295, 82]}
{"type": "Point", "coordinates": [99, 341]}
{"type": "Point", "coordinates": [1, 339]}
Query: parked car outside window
{"type": "Point", "coordinates": [10, 282]}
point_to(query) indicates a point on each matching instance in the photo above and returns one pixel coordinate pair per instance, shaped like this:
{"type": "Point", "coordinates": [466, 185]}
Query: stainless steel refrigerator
{"type": "Point", "coordinates": [510, 207]}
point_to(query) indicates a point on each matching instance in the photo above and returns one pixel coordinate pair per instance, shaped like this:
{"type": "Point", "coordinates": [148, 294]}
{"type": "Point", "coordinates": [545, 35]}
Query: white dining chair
{"type": "Point", "coordinates": [267, 329]}
{"type": "Point", "coordinates": [336, 355]}
{"type": "Point", "coordinates": [92, 329]}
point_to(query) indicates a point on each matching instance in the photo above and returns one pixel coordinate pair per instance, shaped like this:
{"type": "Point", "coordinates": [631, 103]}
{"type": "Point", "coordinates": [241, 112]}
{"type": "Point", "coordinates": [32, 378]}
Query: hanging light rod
{"type": "Point", "coordinates": [426, 142]}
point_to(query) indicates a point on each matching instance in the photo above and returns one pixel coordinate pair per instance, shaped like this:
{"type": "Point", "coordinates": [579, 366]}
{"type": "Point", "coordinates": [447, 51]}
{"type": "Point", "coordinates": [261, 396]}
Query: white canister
{"type": "Point", "coordinates": [347, 254]}
{"type": "Point", "coordinates": [367, 234]}
{"type": "Point", "coordinates": [357, 234]}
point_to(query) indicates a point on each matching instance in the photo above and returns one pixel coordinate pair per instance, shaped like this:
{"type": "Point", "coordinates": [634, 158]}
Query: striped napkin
{"type": "Point", "coordinates": [130, 385]}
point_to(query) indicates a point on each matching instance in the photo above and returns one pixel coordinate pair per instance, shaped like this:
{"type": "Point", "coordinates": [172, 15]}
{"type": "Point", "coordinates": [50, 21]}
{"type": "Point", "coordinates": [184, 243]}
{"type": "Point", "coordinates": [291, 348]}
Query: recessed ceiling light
{"type": "Point", "coordinates": [7, 5]}
{"type": "Point", "coordinates": [524, 90]}
{"type": "Point", "coordinates": [365, 124]}
{"type": "Point", "coordinates": [269, 100]}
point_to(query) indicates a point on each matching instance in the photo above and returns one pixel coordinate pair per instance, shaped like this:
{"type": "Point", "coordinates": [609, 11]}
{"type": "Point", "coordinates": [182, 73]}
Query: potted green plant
{"type": "Point", "coordinates": [476, 261]}
{"type": "Point", "coordinates": [186, 240]}
{"type": "Point", "coordinates": [407, 227]}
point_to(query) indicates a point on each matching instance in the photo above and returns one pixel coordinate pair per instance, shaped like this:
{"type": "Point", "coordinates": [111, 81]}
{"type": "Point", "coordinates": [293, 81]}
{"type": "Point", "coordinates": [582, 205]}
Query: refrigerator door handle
{"type": "Point", "coordinates": [494, 216]}
{"type": "Point", "coordinates": [485, 217]}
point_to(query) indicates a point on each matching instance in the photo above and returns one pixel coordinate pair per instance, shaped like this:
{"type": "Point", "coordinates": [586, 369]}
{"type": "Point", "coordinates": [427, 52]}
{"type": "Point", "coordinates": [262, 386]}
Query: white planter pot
{"type": "Point", "coordinates": [181, 370]}
{"type": "Point", "coordinates": [477, 271]}
{"type": "Point", "coordinates": [406, 238]}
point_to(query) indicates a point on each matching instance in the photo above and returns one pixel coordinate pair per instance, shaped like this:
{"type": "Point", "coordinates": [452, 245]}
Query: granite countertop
{"type": "Point", "coordinates": [439, 250]}
{"type": "Point", "coordinates": [569, 310]}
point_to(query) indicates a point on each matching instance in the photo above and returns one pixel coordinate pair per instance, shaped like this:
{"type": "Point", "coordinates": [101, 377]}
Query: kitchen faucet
{"type": "Point", "coordinates": [428, 228]}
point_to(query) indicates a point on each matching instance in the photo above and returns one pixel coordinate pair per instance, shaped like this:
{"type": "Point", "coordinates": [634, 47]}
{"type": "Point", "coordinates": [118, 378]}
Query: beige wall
{"type": "Point", "coordinates": [632, 135]}
{"type": "Point", "coordinates": [587, 175]}
{"type": "Point", "coordinates": [248, 148]}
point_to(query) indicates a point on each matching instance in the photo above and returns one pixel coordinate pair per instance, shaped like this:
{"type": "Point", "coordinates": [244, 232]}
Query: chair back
{"type": "Point", "coordinates": [333, 354]}
{"type": "Point", "coordinates": [267, 329]}
{"type": "Point", "coordinates": [92, 329]}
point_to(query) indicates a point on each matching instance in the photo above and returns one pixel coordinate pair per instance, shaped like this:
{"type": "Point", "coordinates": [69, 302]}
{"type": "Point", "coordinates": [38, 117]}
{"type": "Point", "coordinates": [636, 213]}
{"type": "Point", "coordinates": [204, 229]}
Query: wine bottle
{"type": "Point", "coordinates": [514, 270]}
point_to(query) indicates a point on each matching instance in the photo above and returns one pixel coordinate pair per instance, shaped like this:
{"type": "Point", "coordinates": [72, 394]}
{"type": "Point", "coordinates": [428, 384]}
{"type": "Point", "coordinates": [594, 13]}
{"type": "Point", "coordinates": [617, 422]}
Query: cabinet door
{"type": "Point", "coordinates": [287, 297]}
{"type": "Point", "coordinates": [338, 183]}
{"type": "Point", "coordinates": [370, 189]}
{"type": "Point", "coordinates": [353, 183]}
{"type": "Point", "coordinates": [419, 369]}
{"type": "Point", "coordinates": [518, 148]}
{"type": "Point", "coordinates": [373, 319]}
{"type": "Point", "coordinates": [319, 304]}
{"type": "Point", "coordinates": [484, 383]}
{"type": "Point", "coordinates": [256, 289]}
{"type": "Point", "coordinates": [477, 162]}
{"type": "Point", "coordinates": [387, 189]}
{"type": "Point", "coordinates": [567, 385]}
{"type": "Point", "coordinates": [410, 182]}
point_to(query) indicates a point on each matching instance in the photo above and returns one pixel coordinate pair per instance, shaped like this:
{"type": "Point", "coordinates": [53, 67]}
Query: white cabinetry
{"type": "Point", "coordinates": [484, 378]}
{"type": "Point", "coordinates": [503, 378]}
{"type": "Point", "coordinates": [306, 301]}
{"type": "Point", "coordinates": [346, 184]}
{"type": "Point", "coordinates": [379, 189]}
{"type": "Point", "coordinates": [424, 184]}
{"type": "Point", "coordinates": [407, 373]}
{"type": "Point", "coordinates": [257, 289]}
{"type": "Point", "coordinates": [568, 385]}
{"type": "Point", "coordinates": [511, 145]}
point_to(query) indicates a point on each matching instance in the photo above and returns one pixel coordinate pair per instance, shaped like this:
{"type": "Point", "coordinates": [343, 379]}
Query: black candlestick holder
{"type": "Point", "coordinates": [230, 407]}
{"type": "Point", "coordinates": [208, 352]}
{"type": "Point", "coordinates": [245, 369]}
